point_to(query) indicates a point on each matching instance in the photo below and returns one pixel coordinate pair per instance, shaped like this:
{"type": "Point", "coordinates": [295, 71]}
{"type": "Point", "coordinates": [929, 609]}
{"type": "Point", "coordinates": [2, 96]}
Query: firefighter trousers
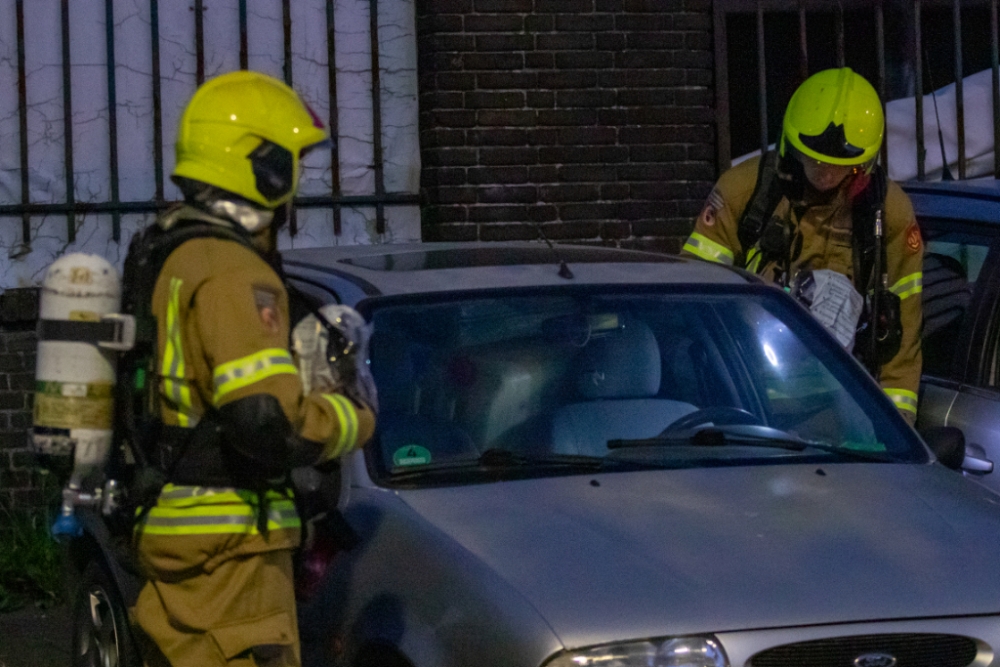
{"type": "Point", "coordinates": [241, 613]}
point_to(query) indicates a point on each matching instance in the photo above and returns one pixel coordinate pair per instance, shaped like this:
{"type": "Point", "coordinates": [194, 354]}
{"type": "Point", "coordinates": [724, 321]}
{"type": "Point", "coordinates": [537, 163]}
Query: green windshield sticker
{"type": "Point", "coordinates": [411, 455]}
{"type": "Point", "coordinates": [863, 446]}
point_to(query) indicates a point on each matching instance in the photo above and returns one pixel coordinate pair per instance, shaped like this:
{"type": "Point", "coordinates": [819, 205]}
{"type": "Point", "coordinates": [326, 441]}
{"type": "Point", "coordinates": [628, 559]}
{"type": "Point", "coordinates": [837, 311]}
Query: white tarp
{"type": "Point", "coordinates": [133, 71]}
{"type": "Point", "coordinates": [901, 130]}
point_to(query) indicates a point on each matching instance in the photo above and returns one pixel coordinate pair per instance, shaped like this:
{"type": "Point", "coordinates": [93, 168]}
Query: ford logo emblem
{"type": "Point", "coordinates": [875, 660]}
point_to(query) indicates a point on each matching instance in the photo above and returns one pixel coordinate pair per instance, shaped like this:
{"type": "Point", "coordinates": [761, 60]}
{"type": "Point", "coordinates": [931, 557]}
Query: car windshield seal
{"type": "Point", "coordinates": [754, 436]}
{"type": "Point", "coordinates": [501, 460]}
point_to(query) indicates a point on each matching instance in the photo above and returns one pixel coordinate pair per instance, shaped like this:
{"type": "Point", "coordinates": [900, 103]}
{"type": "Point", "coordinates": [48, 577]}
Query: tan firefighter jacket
{"type": "Point", "coordinates": [223, 331]}
{"type": "Point", "coordinates": [826, 242]}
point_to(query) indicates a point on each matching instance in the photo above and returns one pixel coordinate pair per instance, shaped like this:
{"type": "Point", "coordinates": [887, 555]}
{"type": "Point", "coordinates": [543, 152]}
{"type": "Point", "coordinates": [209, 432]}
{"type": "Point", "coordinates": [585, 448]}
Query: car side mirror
{"type": "Point", "coordinates": [948, 445]}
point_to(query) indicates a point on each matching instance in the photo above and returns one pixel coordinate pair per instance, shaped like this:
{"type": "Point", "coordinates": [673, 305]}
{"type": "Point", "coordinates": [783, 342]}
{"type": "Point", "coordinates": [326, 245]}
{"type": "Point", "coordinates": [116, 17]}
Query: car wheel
{"type": "Point", "coordinates": [100, 627]}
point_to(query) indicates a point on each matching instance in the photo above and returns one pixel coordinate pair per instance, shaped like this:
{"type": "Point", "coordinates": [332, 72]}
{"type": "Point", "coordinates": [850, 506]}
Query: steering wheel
{"type": "Point", "coordinates": [719, 415]}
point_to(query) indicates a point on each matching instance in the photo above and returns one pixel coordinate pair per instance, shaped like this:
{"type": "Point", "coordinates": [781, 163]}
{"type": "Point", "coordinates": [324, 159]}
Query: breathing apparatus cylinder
{"type": "Point", "coordinates": [79, 332]}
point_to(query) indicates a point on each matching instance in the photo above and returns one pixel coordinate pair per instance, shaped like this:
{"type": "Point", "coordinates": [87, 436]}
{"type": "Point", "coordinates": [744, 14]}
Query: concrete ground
{"type": "Point", "coordinates": [33, 637]}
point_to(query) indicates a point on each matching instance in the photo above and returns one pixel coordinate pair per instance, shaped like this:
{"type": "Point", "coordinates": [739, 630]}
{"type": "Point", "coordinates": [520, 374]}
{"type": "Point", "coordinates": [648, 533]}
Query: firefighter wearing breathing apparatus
{"type": "Point", "coordinates": [216, 542]}
{"type": "Point", "coordinates": [819, 218]}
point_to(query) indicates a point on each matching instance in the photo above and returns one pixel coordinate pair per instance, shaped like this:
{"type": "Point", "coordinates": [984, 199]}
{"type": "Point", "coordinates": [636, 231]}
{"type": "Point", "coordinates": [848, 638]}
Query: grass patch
{"type": "Point", "coordinates": [31, 561]}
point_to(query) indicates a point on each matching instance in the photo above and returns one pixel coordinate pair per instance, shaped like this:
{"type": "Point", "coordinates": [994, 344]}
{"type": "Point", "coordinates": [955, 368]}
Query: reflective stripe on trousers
{"type": "Point", "coordinates": [198, 510]}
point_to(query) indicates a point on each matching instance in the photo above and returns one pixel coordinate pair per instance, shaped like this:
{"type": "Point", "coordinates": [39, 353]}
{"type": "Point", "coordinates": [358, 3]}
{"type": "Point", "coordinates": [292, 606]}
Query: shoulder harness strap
{"type": "Point", "coordinates": [765, 198]}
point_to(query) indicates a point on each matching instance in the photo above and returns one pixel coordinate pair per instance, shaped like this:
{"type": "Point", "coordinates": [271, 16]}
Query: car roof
{"type": "Point", "coordinates": [391, 269]}
{"type": "Point", "coordinates": [974, 199]}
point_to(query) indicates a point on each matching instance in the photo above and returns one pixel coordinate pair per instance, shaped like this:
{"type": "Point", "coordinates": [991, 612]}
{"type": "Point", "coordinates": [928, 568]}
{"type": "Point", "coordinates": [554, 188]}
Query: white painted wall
{"type": "Point", "coordinates": [397, 49]}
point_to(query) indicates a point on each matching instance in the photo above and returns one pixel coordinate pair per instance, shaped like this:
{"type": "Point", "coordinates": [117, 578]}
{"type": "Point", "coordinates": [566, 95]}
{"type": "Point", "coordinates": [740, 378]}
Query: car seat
{"type": "Point", "coordinates": [945, 298]}
{"type": "Point", "coordinates": [617, 380]}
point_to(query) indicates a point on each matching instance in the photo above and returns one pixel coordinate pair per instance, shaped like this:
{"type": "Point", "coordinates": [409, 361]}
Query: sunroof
{"type": "Point", "coordinates": [464, 258]}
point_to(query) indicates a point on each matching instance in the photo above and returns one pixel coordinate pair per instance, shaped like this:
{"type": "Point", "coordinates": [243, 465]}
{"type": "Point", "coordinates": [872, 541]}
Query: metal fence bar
{"type": "Point", "coordinates": [918, 73]}
{"type": "Point", "coordinates": [68, 125]}
{"type": "Point", "coordinates": [803, 43]}
{"type": "Point", "coordinates": [22, 122]}
{"type": "Point", "coordinates": [109, 31]}
{"type": "Point", "coordinates": [880, 56]}
{"type": "Point", "coordinates": [995, 67]}
{"type": "Point", "coordinates": [841, 58]}
{"type": "Point", "coordinates": [334, 122]}
{"type": "Point", "coordinates": [286, 25]}
{"type": "Point", "coordinates": [114, 206]}
{"type": "Point", "coordinates": [154, 32]}
{"type": "Point", "coordinates": [125, 207]}
{"type": "Point", "coordinates": [761, 78]}
{"type": "Point", "coordinates": [959, 91]}
{"type": "Point", "coordinates": [286, 31]}
{"type": "Point", "coordinates": [199, 41]}
{"type": "Point", "coordinates": [244, 47]}
{"type": "Point", "coordinates": [377, 121]}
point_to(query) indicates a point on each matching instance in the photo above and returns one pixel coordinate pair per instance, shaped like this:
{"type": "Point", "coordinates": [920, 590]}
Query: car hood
{"type": "Point", "coordinates": [640, 554]}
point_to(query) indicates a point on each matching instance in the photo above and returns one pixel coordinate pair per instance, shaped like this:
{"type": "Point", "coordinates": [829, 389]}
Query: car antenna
{"type": "Point", "coordinates": [945, 171]}
{"type": "Point", "coordinates": [564, 271]}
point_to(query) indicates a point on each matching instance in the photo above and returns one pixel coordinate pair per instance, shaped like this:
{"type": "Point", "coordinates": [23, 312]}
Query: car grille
{"type": "Point", "coordinates": [909, 650]}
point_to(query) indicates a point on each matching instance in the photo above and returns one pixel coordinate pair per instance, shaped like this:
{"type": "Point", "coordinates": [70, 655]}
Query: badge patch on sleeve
{"type": "Point", "coordinates": [913, 240]}
{"type": "Point", "coordinates": [266, 300]}
{"type": "Point", "coordinates": [712, 206]}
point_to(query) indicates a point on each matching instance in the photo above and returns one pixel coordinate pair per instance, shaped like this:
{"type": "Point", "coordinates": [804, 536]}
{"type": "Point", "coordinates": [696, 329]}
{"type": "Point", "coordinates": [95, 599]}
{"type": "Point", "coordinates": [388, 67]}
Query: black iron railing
{"type": "Point", "coordinates": [114, 206]}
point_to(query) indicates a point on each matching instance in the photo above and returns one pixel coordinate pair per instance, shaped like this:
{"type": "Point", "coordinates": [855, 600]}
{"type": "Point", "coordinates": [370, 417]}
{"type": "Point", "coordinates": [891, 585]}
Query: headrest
{"type": "Point", "coordinates": [392, 364]}
{"type": "Point", "coordinates": [624, 364]}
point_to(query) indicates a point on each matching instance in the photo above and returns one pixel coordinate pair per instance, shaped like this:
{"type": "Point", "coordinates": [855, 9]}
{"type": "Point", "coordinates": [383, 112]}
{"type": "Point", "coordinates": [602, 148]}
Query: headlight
{"type": "Point", "coordinates": [673, 652]}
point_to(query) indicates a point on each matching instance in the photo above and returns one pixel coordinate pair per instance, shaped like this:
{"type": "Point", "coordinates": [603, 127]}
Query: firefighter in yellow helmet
{"type": "Point", "coordinates": [216, 541]}
{"type": "Point", "coordinates": [819, 214]}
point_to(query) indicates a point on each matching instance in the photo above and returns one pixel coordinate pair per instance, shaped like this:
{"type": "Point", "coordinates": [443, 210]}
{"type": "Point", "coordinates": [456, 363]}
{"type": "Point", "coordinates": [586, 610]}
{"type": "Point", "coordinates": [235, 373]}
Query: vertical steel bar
{"type": "Point", "coordinates": [154, 31]}
{"type": "Point", "coordinates": [244, 48]}
{"type": "Point", "coordinates": [803, 43]}
{"type": "Point", "coordinates": [331, 56]}
{"type": "Point", "coordinates": [109, 33]}
{"type": "Point", "coordinates": [959, 90]}
{"type": "Point", "coordinates": [68, 126]}
{"type": "Point", "coordinates": [22, 119]}
{"type": "Point", "coordinates": [761, 78]}
{"type": "Point", "coordinates": [377, 121]}
{"type": "Point", "coordinates": [841, 60]}
{"type": "Point", "coordinates": [199, 41]}
{"type": "Point", "coordinates": [918, 72]}
{"type": "Point", "coordinates": [286, 26]}
{"type": "Point", "coordinates": [995, 66]}
{"type": "Point", "coordinates": [880, 55]}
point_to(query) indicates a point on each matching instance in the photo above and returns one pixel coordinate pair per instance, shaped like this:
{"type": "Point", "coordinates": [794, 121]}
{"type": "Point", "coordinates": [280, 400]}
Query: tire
{"type": "Point", "coordinates": [101, 634]}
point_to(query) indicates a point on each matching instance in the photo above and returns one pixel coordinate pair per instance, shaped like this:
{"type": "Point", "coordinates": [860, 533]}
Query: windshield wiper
{"type": "Point", "coordinates": [717, 436]}
{"type": "Point", "coordinates": [752, 436]}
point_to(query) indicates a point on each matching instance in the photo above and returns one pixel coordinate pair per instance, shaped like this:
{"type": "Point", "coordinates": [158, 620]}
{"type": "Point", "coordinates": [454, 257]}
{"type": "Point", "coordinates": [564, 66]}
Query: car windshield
{"type": "Point", "coordinates": [476, 387]}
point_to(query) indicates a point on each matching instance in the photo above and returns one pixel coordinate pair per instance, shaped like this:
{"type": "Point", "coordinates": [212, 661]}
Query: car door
{"type": "Point", "coordinates": [961, 338]}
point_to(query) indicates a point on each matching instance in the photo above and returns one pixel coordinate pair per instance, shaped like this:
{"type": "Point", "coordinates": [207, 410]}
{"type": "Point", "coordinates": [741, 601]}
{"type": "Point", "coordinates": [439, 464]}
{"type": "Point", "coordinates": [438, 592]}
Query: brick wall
{"type": "Point", "coordinates": [591, 117]}
{"type": "Point", "coordinates": [20, 483]}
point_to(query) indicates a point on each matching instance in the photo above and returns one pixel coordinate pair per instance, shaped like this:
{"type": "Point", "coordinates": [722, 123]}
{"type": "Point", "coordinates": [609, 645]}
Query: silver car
{"type": "Point", "coordinates": [595, 457]}
{"type": "Point", "coordinates": [960, 221]}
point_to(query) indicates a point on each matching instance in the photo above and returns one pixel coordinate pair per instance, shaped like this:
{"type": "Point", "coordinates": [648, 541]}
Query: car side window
{"type": "Point", "coordinates": [953, 262]}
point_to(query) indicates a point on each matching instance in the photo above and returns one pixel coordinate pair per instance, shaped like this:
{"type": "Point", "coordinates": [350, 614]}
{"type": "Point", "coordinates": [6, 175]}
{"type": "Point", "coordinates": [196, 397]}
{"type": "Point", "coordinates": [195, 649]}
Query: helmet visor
{"type": "Point", "coordinates": [274, 170]}
{"type": "Point", "coordinates": [832, 142]}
